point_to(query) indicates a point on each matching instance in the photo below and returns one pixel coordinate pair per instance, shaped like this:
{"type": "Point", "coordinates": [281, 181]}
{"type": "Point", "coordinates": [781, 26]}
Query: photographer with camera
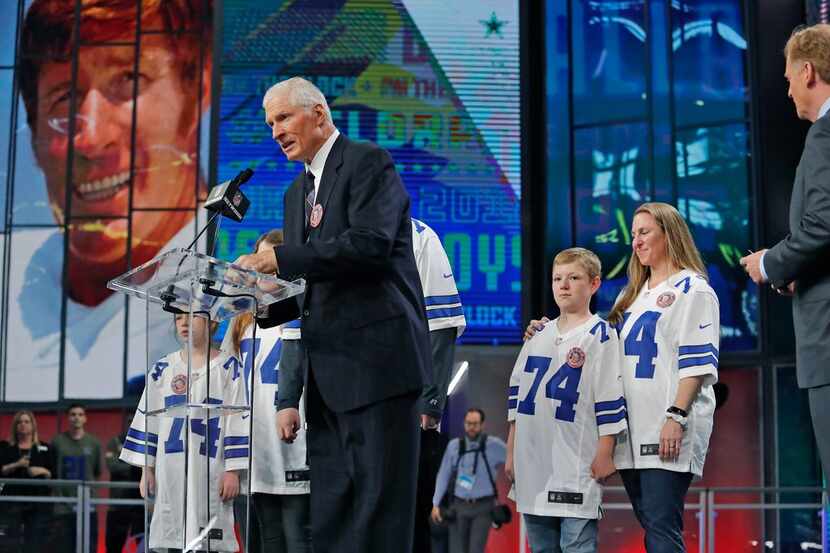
{"type": "Point", "coordinates": [467, 478]}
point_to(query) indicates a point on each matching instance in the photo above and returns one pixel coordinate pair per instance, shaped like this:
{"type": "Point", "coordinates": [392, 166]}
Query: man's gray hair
{"type": "Point", "coordinates": [300, 93]}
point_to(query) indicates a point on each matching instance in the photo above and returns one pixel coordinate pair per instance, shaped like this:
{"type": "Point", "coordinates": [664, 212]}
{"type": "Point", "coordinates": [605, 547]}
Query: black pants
{"type": "Point", "coordinates": [364, 468]}
{"type": "Point", "coordinates": [25, 527]}
{"type": "Point", "coordinates": [122, 521]}
{"type": "Point", "coordinates": [284, 522]}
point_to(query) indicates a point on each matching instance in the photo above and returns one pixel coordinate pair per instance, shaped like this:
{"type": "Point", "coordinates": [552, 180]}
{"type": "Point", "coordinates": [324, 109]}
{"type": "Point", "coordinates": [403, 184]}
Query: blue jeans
{"type": "Point", "coordinates": [561, 534]}
{"type": "Point", "coordinates": [657, 496]}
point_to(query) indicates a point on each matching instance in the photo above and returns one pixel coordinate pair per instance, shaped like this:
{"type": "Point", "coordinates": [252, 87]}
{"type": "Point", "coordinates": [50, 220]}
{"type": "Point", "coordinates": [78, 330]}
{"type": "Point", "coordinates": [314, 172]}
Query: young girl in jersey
{"type": "Point", "coordinates": [669, 327]}
{"type": "Point", "coordinates": [565, 408]}
{"type": "Point", "coordinates": [280, 484]}
{"type": "Point", "coordinates": [216, 443]}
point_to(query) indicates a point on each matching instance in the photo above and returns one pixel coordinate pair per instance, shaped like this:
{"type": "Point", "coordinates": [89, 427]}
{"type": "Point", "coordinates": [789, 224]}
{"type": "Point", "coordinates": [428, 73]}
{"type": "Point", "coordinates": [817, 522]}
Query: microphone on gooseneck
{"type": "Point", "coordinates": [228, 200]}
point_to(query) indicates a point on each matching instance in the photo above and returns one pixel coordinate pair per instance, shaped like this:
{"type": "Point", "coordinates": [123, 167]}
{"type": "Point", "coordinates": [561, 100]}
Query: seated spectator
{"type": "Point", "coordinates": [25, 457]}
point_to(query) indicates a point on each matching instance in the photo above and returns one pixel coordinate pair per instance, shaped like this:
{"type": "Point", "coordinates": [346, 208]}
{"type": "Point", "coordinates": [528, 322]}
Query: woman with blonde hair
{"type": "Point", "coordinates": [668, 320]}
{"type": "Point", "coordinates": [25, 457]}
{"type": "Point", "coordinates": [280, 500]}
{"type": "Point", "coordinates": [669, 326]}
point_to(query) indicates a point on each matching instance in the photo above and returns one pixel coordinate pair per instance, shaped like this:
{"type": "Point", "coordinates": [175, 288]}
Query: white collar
{"type": "Point", "coordinates": [825, 107]}
{"type": "Point", "coordinates": [318, 162]}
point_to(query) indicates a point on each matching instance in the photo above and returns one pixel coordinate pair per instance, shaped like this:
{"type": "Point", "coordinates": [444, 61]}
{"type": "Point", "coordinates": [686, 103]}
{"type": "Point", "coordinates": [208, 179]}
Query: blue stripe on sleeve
{"type": "Point", "coordinates": [702, 348]}
{"type": "Point", "coordinates": [138, 448]}
{"type": "Point", "coordinates": [442, 300]}
{"type": "Point", "coordinates": [609, 405]}
{"type": "Point", "coordinates": [236, 453]}
{"type": "Point", "coordinates": [444, 312]}
{"type": "Point", "coordinates": [292, 324]}
{"type": "Point", "coordinates": [235, 440]}
{"type": "Point", "coordinates": [142, 436]}
{"type": "Point", "coordinates": [177, 399]}
{"type": "Point", "coordinates": [698, 362]}
{"type": "Point", "coordinates": [511, 403]}
{"type": "Point", "coordinates": [513, 390]}
{"type": "Point", "coordinates": [611, 418]}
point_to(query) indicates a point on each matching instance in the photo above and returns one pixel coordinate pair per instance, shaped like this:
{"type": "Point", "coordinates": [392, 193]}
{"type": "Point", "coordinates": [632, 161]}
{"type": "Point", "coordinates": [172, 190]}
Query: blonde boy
{"type": "Point", "coordinates": [565, 408]}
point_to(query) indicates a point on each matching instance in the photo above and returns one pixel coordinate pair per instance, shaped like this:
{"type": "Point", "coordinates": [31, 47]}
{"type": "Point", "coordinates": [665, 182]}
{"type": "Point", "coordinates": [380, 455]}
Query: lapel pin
{"type": "Point", "coordinates": [316, 216]}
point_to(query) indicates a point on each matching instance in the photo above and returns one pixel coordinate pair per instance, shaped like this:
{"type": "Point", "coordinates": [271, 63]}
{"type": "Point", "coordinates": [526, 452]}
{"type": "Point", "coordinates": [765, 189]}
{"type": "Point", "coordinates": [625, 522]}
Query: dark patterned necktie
{"type": "Point", "coordinates": [308, 193]}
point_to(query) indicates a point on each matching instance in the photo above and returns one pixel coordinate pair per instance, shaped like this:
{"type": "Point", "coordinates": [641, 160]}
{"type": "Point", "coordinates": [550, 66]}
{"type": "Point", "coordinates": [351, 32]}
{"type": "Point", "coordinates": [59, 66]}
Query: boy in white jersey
{"type": "Point", "coordinates": [216, 444]}
{"type": "Point", "coordinates": [565, 408]}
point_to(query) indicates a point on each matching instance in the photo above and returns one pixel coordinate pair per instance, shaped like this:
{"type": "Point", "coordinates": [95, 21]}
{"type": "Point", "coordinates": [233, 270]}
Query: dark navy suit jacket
{"type": "Point", "coordinates": [362, 316]}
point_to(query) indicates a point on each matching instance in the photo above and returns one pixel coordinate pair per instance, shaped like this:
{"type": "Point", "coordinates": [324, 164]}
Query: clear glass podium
{"type": "Point", "coordinates": [192, 427]}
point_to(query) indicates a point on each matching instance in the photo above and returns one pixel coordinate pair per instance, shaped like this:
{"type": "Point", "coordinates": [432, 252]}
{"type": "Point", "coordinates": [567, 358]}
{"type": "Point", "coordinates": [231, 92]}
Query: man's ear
{"type": "Point", "coordinates": [320, 114]}
{"type": "Point", "coordinates": [809, 73]}
{"type": "Point", "coordinates": [596, 282]}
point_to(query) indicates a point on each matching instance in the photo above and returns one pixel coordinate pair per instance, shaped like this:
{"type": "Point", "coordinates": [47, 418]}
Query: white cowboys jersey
{"type": "Point", "coordinates": [215, 443]}
{"type": "Point", "coordinates": [670, 332]}
{"type": "Point", "coordinates": [441, 297]}
{"type": "Point", "coordinates": [277, 467]}
{"type": "Point", "coordinates": [565, 392]}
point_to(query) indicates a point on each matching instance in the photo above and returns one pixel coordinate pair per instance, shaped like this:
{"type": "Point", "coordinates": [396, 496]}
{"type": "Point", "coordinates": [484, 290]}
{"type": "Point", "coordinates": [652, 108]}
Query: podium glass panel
{"type": "Point", "coordinates": [185, 280]}
{"type": "Point", "coordinates": [191, 431]}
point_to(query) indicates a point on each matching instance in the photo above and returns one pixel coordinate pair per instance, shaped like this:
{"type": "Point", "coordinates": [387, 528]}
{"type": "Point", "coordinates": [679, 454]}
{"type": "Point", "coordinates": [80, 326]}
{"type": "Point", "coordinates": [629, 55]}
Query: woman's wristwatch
{"type": "Point", "coordinates": [678, 415]}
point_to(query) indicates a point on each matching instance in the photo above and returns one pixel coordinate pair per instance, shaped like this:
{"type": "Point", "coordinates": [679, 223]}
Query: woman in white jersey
{"type": "Point", "coordinates": [281, 520]}
{"type": "Point", "coordinates": [669, 327]}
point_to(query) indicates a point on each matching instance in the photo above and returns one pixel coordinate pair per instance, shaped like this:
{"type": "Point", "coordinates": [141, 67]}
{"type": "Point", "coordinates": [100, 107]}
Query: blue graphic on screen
{"type": "Point", "coordinates": [393, 75]}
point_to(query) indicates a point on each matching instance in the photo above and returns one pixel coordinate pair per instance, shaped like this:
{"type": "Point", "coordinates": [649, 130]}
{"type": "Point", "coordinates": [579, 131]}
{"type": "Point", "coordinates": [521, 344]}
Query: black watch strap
{"type": "Point", "coordinates": [677, 411]}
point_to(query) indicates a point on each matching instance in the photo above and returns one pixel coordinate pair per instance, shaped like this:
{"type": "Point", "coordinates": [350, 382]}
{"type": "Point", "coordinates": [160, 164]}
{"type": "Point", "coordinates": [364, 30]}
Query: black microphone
{"type": "Point", "coordinates": [228, 199]}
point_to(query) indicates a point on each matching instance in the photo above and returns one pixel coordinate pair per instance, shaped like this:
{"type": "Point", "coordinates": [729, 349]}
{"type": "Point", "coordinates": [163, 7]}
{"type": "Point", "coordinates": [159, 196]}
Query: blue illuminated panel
{"type": "Point", "coordinates": [437, 85]}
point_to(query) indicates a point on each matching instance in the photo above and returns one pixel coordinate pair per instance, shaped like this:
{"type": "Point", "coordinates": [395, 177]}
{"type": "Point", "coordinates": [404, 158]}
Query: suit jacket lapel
{"type": "Point", "coordinates": [329, 180]}
{"type": "Point", "coordinates": [295, 211]}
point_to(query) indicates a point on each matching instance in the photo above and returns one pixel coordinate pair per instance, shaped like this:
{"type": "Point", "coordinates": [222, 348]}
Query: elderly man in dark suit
{"type": "Point", "coordinates": [348, 233]}
{"type": "Point", "coordinates": [799, 265]}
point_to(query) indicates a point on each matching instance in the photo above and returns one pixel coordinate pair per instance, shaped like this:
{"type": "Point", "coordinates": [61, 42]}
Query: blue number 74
{"type": "Point", "coordinates": [562, 386]}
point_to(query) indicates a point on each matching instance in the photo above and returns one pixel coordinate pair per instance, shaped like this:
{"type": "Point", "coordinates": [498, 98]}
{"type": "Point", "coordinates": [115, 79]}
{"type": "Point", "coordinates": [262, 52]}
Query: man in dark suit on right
{"type": "Point", "coordinates": [348, 232]}
{"type": "Point", "coordinates": [799, 265]}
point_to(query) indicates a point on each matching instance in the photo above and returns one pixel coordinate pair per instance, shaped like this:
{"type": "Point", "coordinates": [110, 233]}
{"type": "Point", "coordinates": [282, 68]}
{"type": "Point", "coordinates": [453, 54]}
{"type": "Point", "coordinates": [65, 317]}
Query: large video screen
{"type": "Point", "coordinates": [435, 83]}
{"type": "Point", "coordinates": [658, 113]}
{"type": "Point", "coordinates": [103, 142]}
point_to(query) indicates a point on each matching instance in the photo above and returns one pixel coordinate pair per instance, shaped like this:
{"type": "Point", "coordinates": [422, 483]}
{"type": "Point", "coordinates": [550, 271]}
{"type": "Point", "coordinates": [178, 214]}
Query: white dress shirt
{"type": "Point", "coordinates": [318, 163]}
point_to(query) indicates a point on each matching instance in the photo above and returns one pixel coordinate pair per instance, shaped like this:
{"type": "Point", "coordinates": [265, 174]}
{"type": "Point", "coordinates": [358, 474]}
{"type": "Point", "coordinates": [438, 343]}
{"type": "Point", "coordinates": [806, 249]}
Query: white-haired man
{"type": "Point", "coordinates": [348, 233]}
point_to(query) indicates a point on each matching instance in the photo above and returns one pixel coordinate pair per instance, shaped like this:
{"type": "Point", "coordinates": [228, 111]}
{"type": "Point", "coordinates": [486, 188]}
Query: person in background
{"type": "Point", "coordinates": [77, 457]}
{"type": "Point", "coordinates": [122, 520]}
{"type": "Point", "coordinates": [445, 316]}
{"type": "Point", "coordinates": [24, 456]}
{"type": "Point", "coordinates": [468, 469]}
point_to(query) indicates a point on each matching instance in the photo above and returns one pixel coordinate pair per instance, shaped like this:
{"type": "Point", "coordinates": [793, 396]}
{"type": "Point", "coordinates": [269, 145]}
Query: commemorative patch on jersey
{"type": "Point", "coordinates": [179, 384]}
{"type": "Point", "coordinates": [576, 357]}
{"type": "Point", "coordinates": [569, 498]}
{"type": "Point", "coordinates": [666, 299]}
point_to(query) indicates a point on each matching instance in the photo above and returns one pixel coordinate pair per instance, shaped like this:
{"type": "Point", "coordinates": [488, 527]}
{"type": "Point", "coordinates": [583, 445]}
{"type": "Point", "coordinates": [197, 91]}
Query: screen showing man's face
{"type": "Point", "coordinates": [165, 147]}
